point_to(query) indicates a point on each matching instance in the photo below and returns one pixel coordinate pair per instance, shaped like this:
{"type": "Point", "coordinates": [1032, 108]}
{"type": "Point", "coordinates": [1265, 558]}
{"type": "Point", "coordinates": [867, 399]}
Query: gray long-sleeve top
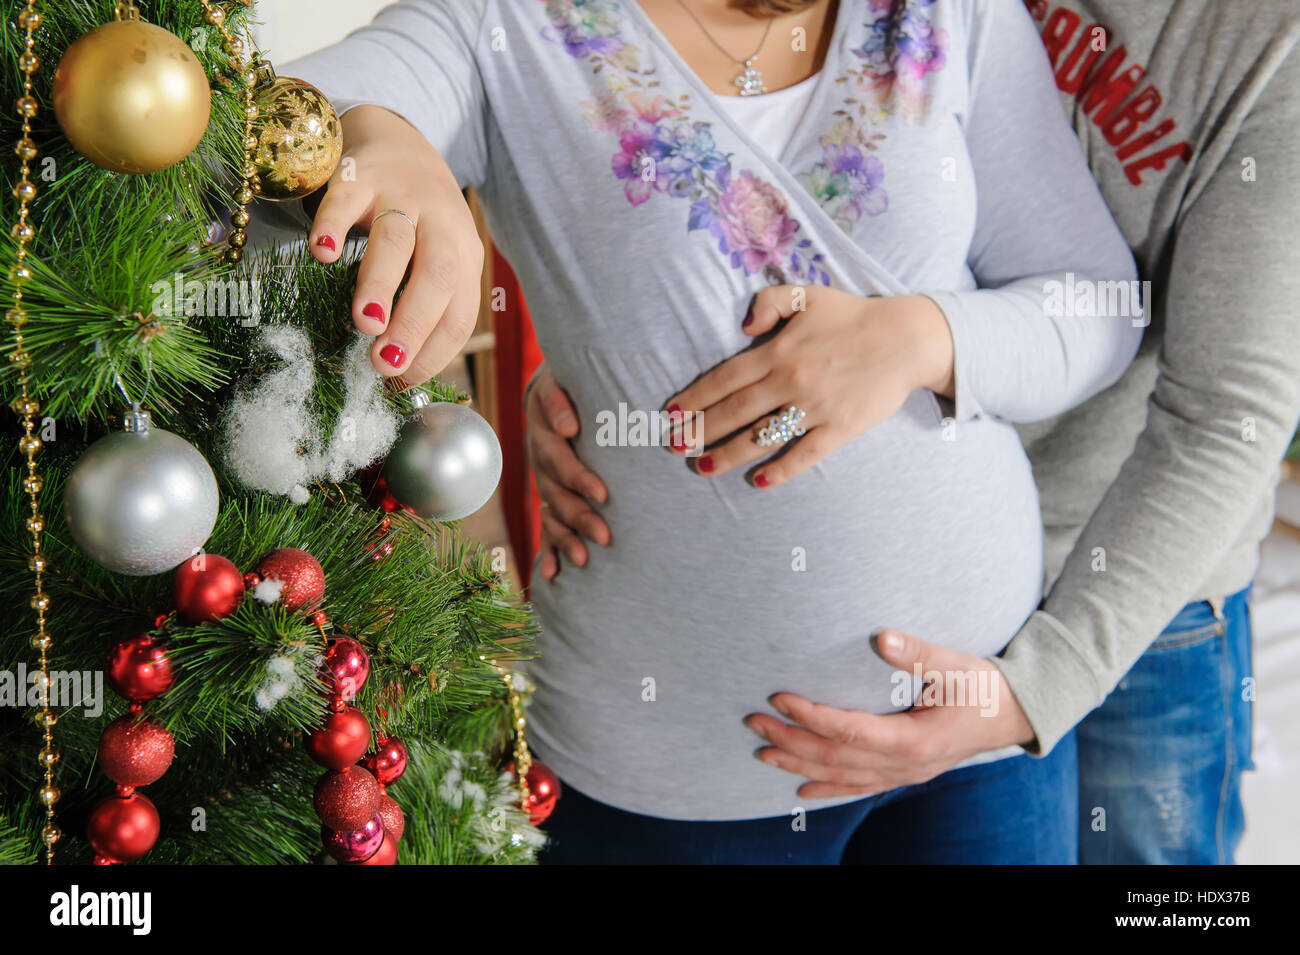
{"type": "Point", "coordinates": [1158, 491]}
{"type": "Point", "coordinates": [641, 220]}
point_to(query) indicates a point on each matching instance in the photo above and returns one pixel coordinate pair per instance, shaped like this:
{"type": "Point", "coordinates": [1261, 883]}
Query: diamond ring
{"type": "Point", "coordinates": [781, 428]}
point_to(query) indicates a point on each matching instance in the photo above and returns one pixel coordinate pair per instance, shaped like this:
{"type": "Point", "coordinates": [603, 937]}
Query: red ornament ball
{"type": "Point", "coordinates": [299, 572]}
{"type": "Point", "coordinates": [388, 761]}
{"type": "Point", "coordinates": [207, 587]}
{"type": "Point", "coordinates": [346, 799]}
{"type": "Point", "coordinates": [394, 819]}
{"type": "Point", "coordinates": [134, 751]}
{"type": "Point", "coordinates": [387, 854]}
{"type": "Point", "coordinates": [355, 845]}
{"type": "Point", "coordinates": [543, 791]}
{"type": "Point", "coordinates": [347, 665]}
{"type": "Point", "coordinates": [341, 740]}
{"type": "Point", "coordinates": [123, 828]}
{"type": "Point", "coordinates": [138, 669]}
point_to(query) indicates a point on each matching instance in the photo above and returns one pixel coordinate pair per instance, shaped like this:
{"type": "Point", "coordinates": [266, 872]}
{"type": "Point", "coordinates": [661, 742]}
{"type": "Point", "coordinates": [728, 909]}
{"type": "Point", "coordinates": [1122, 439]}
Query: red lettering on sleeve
{"type": "Point", "coordinates": [1103, 91]}
{"type": "Point", "coordinates": [1076, 66]}
{"type": "Point", "coordinates": [1157, 161]}
{"type": "Point", "coordinates": [1139, 143]}
{"type": "Point", "coordinates": [1124, 122]}
{"type": "Point", "coordinates": [1057, 31]}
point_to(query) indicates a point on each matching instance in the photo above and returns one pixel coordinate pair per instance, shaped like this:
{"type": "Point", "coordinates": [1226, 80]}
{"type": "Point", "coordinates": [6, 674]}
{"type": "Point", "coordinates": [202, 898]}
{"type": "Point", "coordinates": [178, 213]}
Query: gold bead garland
{"type": "Point", "coordinates": [234, 47]}
{"type": "Point", "coordinates": [523, 757]}
{"type": "Point", "coordinates": [27, 408]}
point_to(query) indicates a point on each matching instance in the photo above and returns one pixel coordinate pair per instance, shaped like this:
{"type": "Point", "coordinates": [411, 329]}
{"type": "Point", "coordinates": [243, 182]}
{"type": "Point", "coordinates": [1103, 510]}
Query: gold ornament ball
{"type": "Point", "coordinates": [299, 139]}
{"type": "Point", "coordinates": [132, 97]}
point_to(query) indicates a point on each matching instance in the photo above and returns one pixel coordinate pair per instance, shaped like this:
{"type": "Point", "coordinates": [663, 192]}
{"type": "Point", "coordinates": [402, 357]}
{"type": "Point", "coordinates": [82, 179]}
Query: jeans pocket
{"type": "Point", "coordinates": [1176, 637]}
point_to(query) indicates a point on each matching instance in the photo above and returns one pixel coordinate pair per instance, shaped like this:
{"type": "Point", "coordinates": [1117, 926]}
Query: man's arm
{"type": "Point", "coordinates": [1219, 420]}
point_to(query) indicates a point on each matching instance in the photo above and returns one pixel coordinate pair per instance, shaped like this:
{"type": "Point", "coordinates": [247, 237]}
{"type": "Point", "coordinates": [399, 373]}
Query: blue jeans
{"type": "Point", "coordinates": [1017, 810]}
{"type": "Point", "coordinates": [1160, 762]}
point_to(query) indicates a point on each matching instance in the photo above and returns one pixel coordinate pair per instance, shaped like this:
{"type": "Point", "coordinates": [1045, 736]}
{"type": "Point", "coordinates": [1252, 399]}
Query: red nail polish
{"type": "Point", "coordinates": [761, 480]}
{"type": "Point", "coordinates": [706, 464]}
{"type": "Point", "coordinates": [674, 410]}
{"type": "Point", "coordinates": [678, 442]}
{"type": "Point", "coordinates": [393, 354]}
{"type": "Point", "coordinates": [326, 242]}
{"type": "Point", "coordinates": [749, 319]}
{"type": "Point", "coordinates": [374, 310]}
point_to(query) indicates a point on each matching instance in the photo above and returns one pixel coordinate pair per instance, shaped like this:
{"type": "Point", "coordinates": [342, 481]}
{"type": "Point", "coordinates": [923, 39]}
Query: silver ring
{"type": "Point", "coordinates": [395, 212]}
{"type": "Point", "coordinates": [781, 428]}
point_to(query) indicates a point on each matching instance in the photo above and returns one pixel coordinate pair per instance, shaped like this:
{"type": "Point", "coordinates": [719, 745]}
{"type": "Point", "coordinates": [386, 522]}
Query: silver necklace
{"type": "Point", "coordinates": [750, 80]}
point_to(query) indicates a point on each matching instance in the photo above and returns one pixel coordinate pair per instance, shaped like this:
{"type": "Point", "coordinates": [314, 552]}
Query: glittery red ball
{"type": "Point", "coordinates": [123, 828]}
{"type": "Point", "coordinates": [346, 799]}
{"type": "Point", "coordinates": [388, 761]}
{"type": "Point", "coordinates": [543, 791]}
{"type": "Point", "coordinates": [135, 752]}
{"type": "Point", "coordinates": [341, 740]}
{"type": "Point", "coordinates": [347, 665]}
{"type": "Point", "coordinates": [394, 819]}
{"type": "Point", "coordinates": [301, 574]}
{"type": "Point", "coordinates": [387, 854]}
{"type": "Point", "coordinates": [138, 668]}
{"type": "Point", "coordinates": [355, 845]}
{"type": "Point", "coordinates": [207, 587]}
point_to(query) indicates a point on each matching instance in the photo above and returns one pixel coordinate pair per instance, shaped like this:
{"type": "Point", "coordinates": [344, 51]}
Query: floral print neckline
{"type": "Point", "coordinates": [663, 151]}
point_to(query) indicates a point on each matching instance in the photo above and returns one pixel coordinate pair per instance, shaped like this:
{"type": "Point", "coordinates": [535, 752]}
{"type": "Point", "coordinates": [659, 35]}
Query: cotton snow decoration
{"type": "Point", "coordinates": [271, 439]}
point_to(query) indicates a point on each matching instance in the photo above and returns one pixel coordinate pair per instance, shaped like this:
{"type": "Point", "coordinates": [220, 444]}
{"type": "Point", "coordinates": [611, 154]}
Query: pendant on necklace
{"type": "Point", "coordinates": [750, 82]}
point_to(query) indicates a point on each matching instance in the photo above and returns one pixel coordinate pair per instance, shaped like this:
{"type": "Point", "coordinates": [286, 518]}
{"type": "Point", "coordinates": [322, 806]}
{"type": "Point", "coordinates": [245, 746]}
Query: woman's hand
{"type": "Point", "coordinates": [847, 753]}
{"type": "Point", "coordinates": [387, 164]}
{"type": "Point", "coordinates": [564, 483]}
{"type": "Point", "coordinates": [847, 362]}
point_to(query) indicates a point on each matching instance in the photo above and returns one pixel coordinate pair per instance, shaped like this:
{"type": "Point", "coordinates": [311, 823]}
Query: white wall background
{"type": "Point", "coordinates": [292, 28]}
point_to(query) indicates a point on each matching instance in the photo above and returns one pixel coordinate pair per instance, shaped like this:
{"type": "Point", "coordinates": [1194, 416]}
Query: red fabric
{"type": "Point", "coordinates": [517, 357]}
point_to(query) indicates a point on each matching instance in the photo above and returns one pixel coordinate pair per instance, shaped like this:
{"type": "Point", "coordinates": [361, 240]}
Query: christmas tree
{"type": "Point", "coordinates": [190, 514]}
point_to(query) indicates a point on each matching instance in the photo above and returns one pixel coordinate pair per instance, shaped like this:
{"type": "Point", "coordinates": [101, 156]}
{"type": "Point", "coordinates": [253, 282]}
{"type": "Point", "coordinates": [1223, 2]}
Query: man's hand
{"type": "Point", "coordinates": [845, 752]}
{"type": "Point", "coordinates": [564, 483]}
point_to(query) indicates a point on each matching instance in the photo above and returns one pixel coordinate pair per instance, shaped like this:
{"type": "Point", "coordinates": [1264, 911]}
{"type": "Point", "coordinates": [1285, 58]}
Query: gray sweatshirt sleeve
{"type": "Point", "coordinates": [1223, 410]}
{"type": "Point", "coordinates": [417, 59]}
{"type": "Point", "coordinates": [1040, 217]}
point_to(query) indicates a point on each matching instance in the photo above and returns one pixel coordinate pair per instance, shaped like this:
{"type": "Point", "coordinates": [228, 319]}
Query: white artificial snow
{"type": "Point", "coordinates": [268, 591]}
{"type": "Point", "coordinates": [273, 442]}
{"type": "Point", "coordinates": [281, 680]}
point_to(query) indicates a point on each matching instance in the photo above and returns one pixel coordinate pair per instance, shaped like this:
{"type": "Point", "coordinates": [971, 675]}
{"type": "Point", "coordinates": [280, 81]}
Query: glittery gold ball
{"type": "Point", "coordinates": [40, 601]}
{"type": "Point", "coordinates": [47, 757]}
{"type": "Point", "coordinates": [132, 97]}
{"type": "Point", "coordinates": [24, 190]}
{"type": "Point", "coordinates": [27, 106]}
{"type": "Point", "coordinates": [26, 148]}
{"type": "Point", "coordinates": [32, 484]}
{"type": "Point", "coordinates": [30, 20]}
{"type": "Point", "coordinates": [45, 719]}
{"type": "Point", "coordinates": [49, 795]}
{"type": "Point", "coordinates": [29, 444]}
{"type": "Point", "coordinates": [299, 139]}
{"type": "Point", "coordinates": [40, 641]}
{"type": "Point", "coordinates": [51, 835]}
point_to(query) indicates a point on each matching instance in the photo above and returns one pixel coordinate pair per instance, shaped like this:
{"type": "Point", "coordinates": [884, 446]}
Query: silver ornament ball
{"type": "Point", "coordinates": [140, 502]}
{"type": "Point", "coordinates": [445, 464]}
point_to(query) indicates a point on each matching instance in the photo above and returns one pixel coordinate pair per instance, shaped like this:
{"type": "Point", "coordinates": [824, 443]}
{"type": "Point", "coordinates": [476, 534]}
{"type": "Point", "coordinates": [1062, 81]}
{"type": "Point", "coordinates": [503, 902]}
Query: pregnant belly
{"type": "Point", "coordinates": [714, 595]}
